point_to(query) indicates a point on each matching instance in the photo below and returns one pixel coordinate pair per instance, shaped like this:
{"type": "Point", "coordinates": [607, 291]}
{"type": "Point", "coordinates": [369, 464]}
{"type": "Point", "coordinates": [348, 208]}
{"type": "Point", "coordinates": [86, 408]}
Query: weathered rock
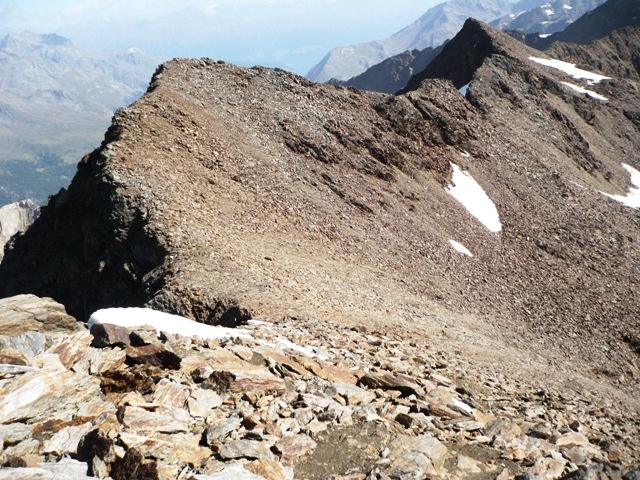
{"type": "Point", "coordinates": [233, 472]}
{"type": "Point", "coordinates": [66, 468]}
{"type": "Point", "coordinates": [110, 335]}
{"type": "Point", "coordinates": [270, 469]}
{"type": "Point", "coordinates": [73, 348]}
{"type": "Point", "coordinates": [163, 419]}
{"type": "Point", "coordinates": [201, 402]}
{"type": "Point", "coordinates": [66, 440]}
{"type": "Point", "coordinates": [134, 465]}
{"type": "Point", "coordinates": [294, 446]}
{"type": "Point", "coordinates": [416, 457]}
{"type": "Point", "coordinates": [252, 449]}
{"type": "Point", "coordinates": [354, 395]}
{"type": "Point", "coordinates": [45, 394]}
{"type": "Point", "coordinates": [216, 433]}
{"type": "Point", "coordinates": [387, 381]}
{"type": "Point", "coordinates": [155, 355]}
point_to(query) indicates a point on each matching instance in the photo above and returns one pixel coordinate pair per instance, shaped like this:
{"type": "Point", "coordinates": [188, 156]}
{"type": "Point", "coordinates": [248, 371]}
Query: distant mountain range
{"type": "Point", "coordinates": [438, 24]}
{"type": "Point", "coordinates": [362, 64]}
{"type": "Point", "coordinates": [393, 74]}
{"type": "Point", "coordinates": [56, 101]}
{"type": "Point", "coordinates": [550, 17]}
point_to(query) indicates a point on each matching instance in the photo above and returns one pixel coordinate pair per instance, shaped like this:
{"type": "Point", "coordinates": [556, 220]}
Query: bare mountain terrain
{"type": "Point", "coordinates": [226, 193]}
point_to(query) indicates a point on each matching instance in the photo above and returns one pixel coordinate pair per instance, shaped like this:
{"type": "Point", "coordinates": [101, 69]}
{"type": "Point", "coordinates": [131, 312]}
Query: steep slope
{"type": "Point", "coordinates": [227, 192]}
{"type": "Point", "coordinates": [598, 23]}
{"type": "Point", "coordinates": [437, 25]}
{"type": "Point", "coordinates": [545, 18]}
{"type": "Point", "coordinates": [45, 77]}
{"type": "Point", "coordinates": [392, 74]}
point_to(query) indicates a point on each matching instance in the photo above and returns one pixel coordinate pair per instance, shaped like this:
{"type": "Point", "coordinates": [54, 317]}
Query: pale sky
{"type": "Point", "coordinates": [292, 34]}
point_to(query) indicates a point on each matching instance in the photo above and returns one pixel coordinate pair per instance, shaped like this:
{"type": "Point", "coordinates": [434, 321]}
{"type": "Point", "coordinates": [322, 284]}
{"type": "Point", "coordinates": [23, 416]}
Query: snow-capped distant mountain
{"type": "Point", "coordinates": [437, 25]}
{"type": "Point", "coordinates": [56, 101]}
{"type": "Point", "coordinates": [550, 17]}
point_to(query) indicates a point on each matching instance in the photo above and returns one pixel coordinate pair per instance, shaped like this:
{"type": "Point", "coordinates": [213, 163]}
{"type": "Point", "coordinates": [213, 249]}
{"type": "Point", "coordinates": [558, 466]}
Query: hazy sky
{"type": "Point", "coordinates": [293, 34]}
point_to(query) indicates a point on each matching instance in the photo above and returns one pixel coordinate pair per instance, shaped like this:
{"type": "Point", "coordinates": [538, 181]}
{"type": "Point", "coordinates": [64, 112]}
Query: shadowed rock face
{"type": "Point", "coordinates": [226, 192]}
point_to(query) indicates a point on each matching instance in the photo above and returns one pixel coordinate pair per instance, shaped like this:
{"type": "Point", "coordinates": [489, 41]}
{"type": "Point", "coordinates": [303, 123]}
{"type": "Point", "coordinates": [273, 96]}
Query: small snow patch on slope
{"type": "Point", "coordinates": [461, 248]}
{"type": "Point", "coordinates": [464, 89]}
{"type": "Point", "coordinates": [571, 69]}
{"type": "Point", "coordinates": [584, 90]}
{"type": "Point", "coordinates": [470, 194]}
{"type": "Point", "coordinates": [632, 199]}
{"type": "Point", "coordinates": [162, 322]}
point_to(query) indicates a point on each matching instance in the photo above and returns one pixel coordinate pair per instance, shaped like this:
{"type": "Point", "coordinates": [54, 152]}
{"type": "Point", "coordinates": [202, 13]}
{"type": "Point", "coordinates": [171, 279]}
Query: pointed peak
{"type": "Point", "coordinates": [466, 52]}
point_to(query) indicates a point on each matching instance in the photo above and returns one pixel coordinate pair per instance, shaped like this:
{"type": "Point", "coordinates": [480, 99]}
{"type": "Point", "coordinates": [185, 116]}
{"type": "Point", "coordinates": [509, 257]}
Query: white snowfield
{"type": "Point", "coordinates": [632, 199]}
{"type": "Point", "coordinates": [162, 322]}
{"type": "Point", "coordinates": [461, 248]}
{"type": "Point", "coordinates": [177, 325]}
{"type": "Point", "coordinates": [571, 69]}
{"type": "Point", "coordinates": [592, 94]}
{"type": "Point", "coordinates": [470, 194]}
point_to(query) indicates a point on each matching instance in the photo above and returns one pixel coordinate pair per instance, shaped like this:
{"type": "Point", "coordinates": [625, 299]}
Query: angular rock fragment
{"type": "Point", "coordinates": [294, 446]}
{"type": "Point", "coordinates": [251, 449]}
{"type": "Point", "coordinates": [387, 381]}
{"type": "Point", "coordinates": [416, 457]}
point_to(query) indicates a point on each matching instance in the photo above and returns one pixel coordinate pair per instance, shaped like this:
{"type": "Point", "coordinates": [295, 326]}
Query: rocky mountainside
{"type": "Point", "coordinates": [15, 218]}
{"type": "Point", "coordinates": [392, 74]}
{"type": "Point", "coordinates": [499, 228]}
{"type": "Point", "coordinates": [612, 15]}
{"type": "Point", "coordinates": [437, 25]}
{"type": "Point", "coordinates": [45, 77]}
{"type": "Point", "coordinates": [545, 19]}
{"type": "Point", "coordinates": [128, 403]}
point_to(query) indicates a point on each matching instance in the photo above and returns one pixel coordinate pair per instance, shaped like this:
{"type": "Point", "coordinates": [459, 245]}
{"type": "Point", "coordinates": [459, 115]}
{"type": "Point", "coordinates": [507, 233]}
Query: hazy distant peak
{"type": "Point", "coordinates": [432, 29]}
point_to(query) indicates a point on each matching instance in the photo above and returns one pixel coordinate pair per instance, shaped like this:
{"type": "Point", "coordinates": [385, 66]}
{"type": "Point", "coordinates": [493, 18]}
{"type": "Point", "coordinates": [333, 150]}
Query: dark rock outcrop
{"type": "Point", "coordinates": [463, 55]}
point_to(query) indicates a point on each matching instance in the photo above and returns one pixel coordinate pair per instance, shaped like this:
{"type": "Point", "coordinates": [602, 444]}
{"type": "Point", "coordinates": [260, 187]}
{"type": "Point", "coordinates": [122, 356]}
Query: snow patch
{"type": "Point", "coordinates": [461, 248]}
{"type": "Point", "coordinates": [584, 90]}
{"type": "Point", "coordinates": [632, 199]}
{"type": "Point", "coordinates": [549, 12]}
{"type": "Point", "coordinates": [544, 35]}
{"type": "Point", "coordinates": [470, 194]}
{"type": "Point", "coordinates": [568, 7]}
{"type": "Point", "coordinates": [464, 89]}
{"type": "Point", "coordinates": [162, 322]}
{"type": "Point", "coordinates": [571, 69]}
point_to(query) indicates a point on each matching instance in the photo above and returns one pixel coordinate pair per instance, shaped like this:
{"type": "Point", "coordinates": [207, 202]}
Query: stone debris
{"type": "Point", "coordinates": [86, 406]}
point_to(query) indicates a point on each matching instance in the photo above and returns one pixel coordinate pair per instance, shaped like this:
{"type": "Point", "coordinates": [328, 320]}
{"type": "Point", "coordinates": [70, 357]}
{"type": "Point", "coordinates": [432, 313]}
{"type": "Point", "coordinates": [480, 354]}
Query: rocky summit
{"type": "Point", "coordinates": [469, 262]}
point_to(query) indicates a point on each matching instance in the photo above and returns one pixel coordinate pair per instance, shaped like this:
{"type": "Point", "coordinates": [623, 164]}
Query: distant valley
{"type": "Point", "coordinates": [57, 101]}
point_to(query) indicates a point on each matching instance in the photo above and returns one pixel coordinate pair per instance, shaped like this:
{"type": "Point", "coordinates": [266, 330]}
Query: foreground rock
{"type": "Point", "coordinates": [122, 419]}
